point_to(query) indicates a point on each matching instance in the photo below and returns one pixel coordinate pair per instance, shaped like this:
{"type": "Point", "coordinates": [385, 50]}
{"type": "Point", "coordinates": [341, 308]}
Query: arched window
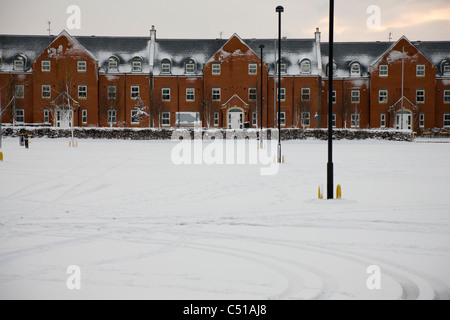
{"type": "Point", "coordinates": [334, 69]}
{"type": "Point", "coordinates": [113, 64]}
{"type": "Point", "coordinates": [355, 69]}
{"type": "Point", "coordinates": [305, 66]}
{"type": "Point", "coordinates": [19, 63]}
{"type": "Point", "coordinates": [189, 66]}
{"type": "Point", "coordinates": [166, 66]}
{"type": "Point", "coordinates": [445, 68]}
{"type": "Point", "coordinates": [136, 64]}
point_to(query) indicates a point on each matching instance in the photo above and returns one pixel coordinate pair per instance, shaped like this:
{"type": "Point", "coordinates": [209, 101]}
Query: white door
{"type": "Point", "coordinates": [64, 118]}
{"type": "Point", "coordinates": [404, 120]}
{"type": "Point", "coordinates": [235, 119]}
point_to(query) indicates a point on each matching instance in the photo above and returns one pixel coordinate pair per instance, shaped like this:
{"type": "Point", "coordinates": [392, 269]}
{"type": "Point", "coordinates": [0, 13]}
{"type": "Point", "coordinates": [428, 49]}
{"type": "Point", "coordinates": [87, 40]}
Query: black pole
{"type": "Point", "coordinates": [330, 106]}
{"type": "Point", "coordinates": [261, 100]}
{"type": "Point", "coordinates": [279, 9]}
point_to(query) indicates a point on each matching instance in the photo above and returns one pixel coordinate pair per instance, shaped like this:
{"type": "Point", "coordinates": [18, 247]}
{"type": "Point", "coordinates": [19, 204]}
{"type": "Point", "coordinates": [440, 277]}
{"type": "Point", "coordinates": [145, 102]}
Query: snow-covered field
{"type": "Point", "coordinates": [139, 226]}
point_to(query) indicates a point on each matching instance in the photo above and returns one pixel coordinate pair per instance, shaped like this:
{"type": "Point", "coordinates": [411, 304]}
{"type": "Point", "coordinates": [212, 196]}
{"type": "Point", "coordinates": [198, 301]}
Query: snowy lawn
{"type": "Point", "coordinates": [139, 226]}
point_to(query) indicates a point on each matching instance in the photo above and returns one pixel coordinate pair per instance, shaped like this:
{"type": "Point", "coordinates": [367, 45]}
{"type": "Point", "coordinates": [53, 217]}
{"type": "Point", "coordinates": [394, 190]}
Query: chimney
{"type": "Point", "coordinates": [318, 50]}
{"type": "Point", "coordinates": [317, 34]}
{"type": "Point", "coordinates": [152, 48]}
{"type": "Point", "coordinates": [153, 33]}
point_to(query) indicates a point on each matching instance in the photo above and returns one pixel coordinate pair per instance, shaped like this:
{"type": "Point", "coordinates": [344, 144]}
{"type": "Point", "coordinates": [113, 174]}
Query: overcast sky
{"type": "Point", "coordinates": [417, 19]}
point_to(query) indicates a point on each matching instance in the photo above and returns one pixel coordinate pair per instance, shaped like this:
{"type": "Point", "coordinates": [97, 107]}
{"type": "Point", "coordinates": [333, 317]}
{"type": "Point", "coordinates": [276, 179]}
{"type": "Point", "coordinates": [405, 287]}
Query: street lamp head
{"type": "Point", "coordinates": [279, 9]}
{"type": "Point", "coordinates": [261, 46]}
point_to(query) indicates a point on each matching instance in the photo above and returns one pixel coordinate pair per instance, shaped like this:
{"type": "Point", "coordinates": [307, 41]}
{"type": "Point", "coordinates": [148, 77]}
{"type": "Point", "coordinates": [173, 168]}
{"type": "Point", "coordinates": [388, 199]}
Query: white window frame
{"type": "Point", "coordinates": [306, 119]}
{"type": "Point", "coordinates": [420, 70]}
{"type": "Point", "coordinates": [355, 120]}
{"type": "Point", "coordinates": [20, 113]}
{"type": "Point", "coordinates": [420, 96]}
{"type": "Point", "coordinates": [216, 69]}
{"type": "Point", "coordinates": [165, 94]}
{"type": "Point", "coordinates": [112, 92]}
{"type": "Point", "coordinates": [334, 97]}
{"type": "Point", "coordinates": [19, 91]}
{"type": "Point", "coordinates": [137, 66]}
{"type": "Point", "coordinates": [46, 116]}
{"type": "Point", "coordinates": [447, 115]}
{"type": "Point", "coordinates": [112, 116]}
{"type": "Point", "coordinates": [216, 119]}
{"type": "Point", "coordinates": [254, 119]}
{"type": "Point", "coordinates": [446, 96]}
{"type": "Point", "coordinates": [282, 95]}
{"type": "Point", "coordinates": [283, 68]}
{"type": "Point", "coordinates": [383, 120]}
{"type": "Point", "coordinates": [252, 94]}
{"type": "Point", "coordinates": [134, 116]}
{"type": "Point", "coordinates": [446, 70]}
{"type": "Point", "coordinates": [422, 120]}
{"type": "Point", "coordinates": [282, 118]}
{"type": "Point", "coordinates": [46, 89]}
{"type": "Point", "coordinates": [19, 64]}
{"type": "Point", "coordinates": [383, 98]}
{"type": "Point", "coordinates": [383, 70]}
{"type": "Point", "coordinates": [306, 94]}
{"type": "Point", "coordinates": [165, 119]}
{"type": "Point", "coordinates": [166, 68]}
{"type": "Point", "coordinates": [84, 116]}
{"type": "Point", "coordinates": [134, 91]}
{"type": "Point", "coordinates": [113, 64]}
{"type": "Point", "coordinates": [81, 66]}
{"type": "Point", "coordinates": [355, 70]}
{"type": "Point", "coordinates": [82, 91]}
{"type": "Point", "coordinates": [216, 94]}
{"type": "Point", "coordinates": [355, 96]}
{"type": "Point", "coordinates": [46, 66]}
{"type": "Point", "coordinates": [305, 67]}
{"type": "Point", "coordinates": [252, 68]}
{"type": "Point", "coordinates": [190, 94]}
{"type": "Point", "coordinates": [190, 68]}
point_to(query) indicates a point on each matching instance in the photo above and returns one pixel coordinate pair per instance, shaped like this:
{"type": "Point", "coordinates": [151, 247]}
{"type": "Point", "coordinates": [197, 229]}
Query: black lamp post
{"type": "Point", "coordinates": [261, 100]}
{"type": "Point", "coordinates": [330, 106]}
{"type": "Point", "coordinates": [279, 9]}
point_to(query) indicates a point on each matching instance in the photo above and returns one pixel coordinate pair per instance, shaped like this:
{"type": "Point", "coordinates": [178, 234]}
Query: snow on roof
{"type": "Point", "coordinates": [178, 51]}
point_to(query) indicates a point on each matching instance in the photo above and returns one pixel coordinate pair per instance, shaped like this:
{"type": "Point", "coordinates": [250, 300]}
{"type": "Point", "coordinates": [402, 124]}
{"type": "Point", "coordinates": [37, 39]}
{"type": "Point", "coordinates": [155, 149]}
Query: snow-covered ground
{"type": "Point", "coordinates": [138, 226]}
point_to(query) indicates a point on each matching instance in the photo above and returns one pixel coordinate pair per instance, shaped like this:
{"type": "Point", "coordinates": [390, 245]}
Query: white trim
{"type": "Point", "coordinates": [192, 90]}
{"type": "Point", "coordinates": [165, 94]}
{"type": "Point", "coordinates": [235, 95]}
{"type": "Point", "coordinates": [49, 91]}
{"type": "Point", "coordinates": [80, 64]}
{"type": "Point", "coordinates": [217, 65]}
{"type": "Point", "coordinates": [133, 94]}
{"type": "Point", "coordinates": [253, 69]}
{"type": "Point", "coordinates": [448, 96]}
{"type": "Point", "coordinates": [81, 86]}
{"type": "Point", "coordinates": [417, 96]}
{"type": "Point", "coordinates": [386, 96]}
{"type": "Point", "coordinates": [446, 114]}
{"type": "Point", "coordinates": [167, 118]}
{"type": "Point", "coordinates": [46, 66]}
{"type": "Point", "coordinates": [83, 116]}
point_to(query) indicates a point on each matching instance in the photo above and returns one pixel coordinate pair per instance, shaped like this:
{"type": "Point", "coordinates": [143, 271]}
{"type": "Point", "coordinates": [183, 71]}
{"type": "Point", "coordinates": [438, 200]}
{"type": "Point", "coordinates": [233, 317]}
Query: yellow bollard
{"type": "Point", "coordinates": [320, 193]}
{"type": "Point", "coordinates": [339, 192]}
{"type": "Point", "coordinates": [1, 156]}
{"type": "Point", "coordinates": [76, 144]}
{"type": "Point", "coordinates": [70, 143]}
{"type": "Point", "coordinates": [282, 159]}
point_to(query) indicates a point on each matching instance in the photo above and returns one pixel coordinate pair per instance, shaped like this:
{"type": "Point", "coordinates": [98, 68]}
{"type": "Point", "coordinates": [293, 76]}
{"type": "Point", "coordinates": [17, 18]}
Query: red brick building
{"type": "Point", "coordinates": [146, 81]}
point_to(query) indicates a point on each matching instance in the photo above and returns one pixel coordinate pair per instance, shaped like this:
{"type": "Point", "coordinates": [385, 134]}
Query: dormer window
{"type": "Point", "coordinates": [190, 66]}
{"type": "Point", "coordinates": [355, 70]}
{"type": "Point", "coordinates": [282, 66]}
{"type": "Point", "coordinates": [305, 66]}
{"type": "Point", "coordinates": [334, 69]}
{"type": "Point", "coordinates": [447, 69]}
{"type": "Point", "coordinates": [113, 64]}
{"type": "Point", "coordinates": [137, 64]}
{"type": "Point", "coordinates": [19, 64]}
{"type": "Point", "coordinates": [166, 66]}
